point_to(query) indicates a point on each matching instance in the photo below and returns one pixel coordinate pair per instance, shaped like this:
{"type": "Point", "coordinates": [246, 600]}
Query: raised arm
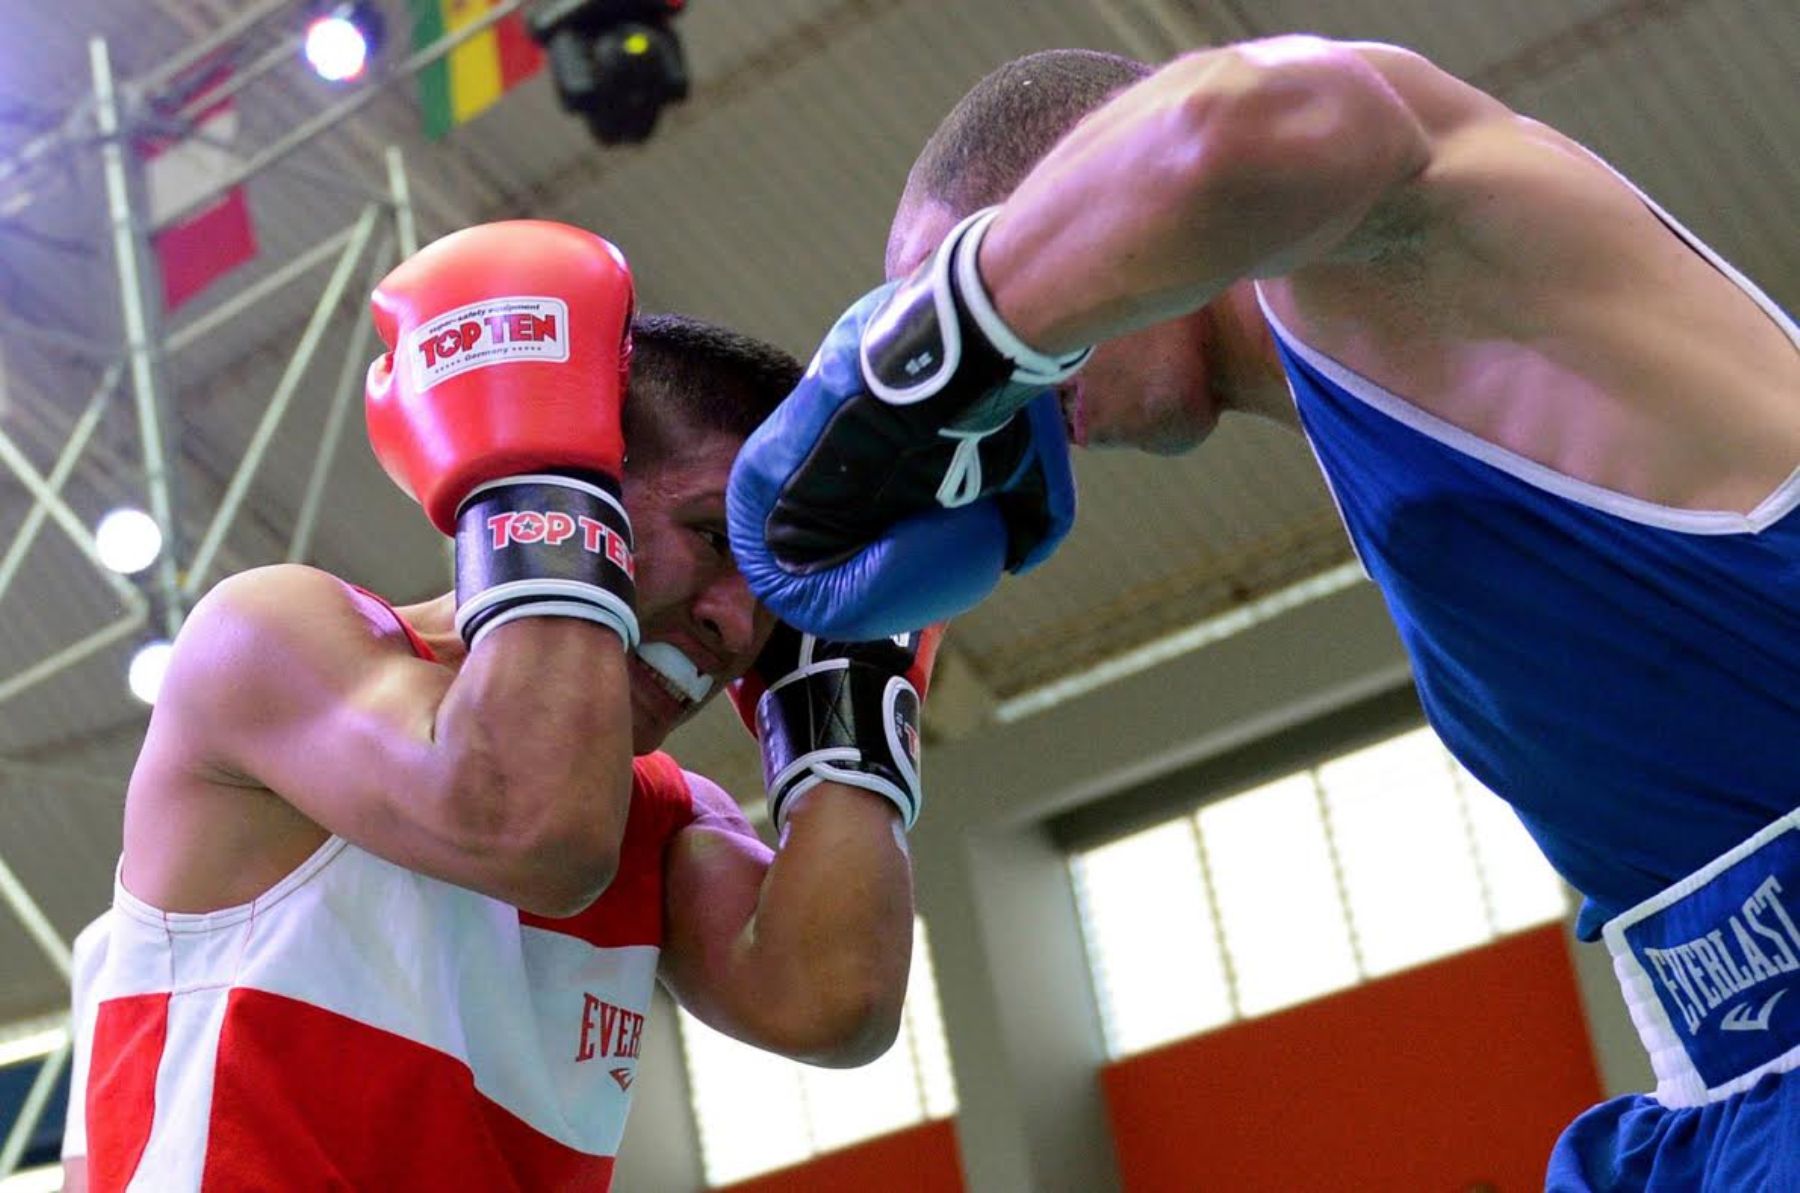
{"type": "Point", "coordinates": [1246, 161]}
{"type": "Point", "coordinates": [498, 407]}
{"type": "Point", "coordinates": [510, 776]}
{"type": "Point", "coordinates": [805, 952]}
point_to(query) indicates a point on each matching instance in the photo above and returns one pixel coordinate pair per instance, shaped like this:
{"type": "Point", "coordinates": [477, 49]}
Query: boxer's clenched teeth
{"type": "Point", "coordinates": [676, 671]}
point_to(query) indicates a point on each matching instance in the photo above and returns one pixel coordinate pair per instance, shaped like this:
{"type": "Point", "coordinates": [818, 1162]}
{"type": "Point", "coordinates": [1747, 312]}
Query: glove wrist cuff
{"type": "Point", "coordinates": [1030, 367]}
{"type": "Point", "coordinates": [544, 545]}
{"type": "Point", "coordinates": [841, 721]}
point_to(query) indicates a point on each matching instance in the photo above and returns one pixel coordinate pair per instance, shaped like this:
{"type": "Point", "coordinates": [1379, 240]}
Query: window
{"type": "Point", "coordinates": [1377, 860]}
{"type": "Point", "coordinates": [756, 1111]}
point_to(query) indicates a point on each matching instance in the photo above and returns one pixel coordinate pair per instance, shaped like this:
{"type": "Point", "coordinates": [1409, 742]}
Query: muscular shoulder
{"type": "Point", "coordinates": [291, 601]}
{"type": "Point", "coordinates": [1462, 127]}
{"type": "Point", "coordinates": [249, 645]}
{"type": "Point", "coordinates": [1491, 175]}
{"type": "Point", "coordinates": [1442, 103]}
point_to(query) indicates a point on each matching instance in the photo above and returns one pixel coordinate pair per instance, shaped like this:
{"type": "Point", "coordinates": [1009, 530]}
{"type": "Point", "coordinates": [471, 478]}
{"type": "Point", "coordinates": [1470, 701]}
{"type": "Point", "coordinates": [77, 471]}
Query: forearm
{"type": "Point", "coordinates": [535, 741]}
{"type": "Point", "coordinates": [1247, 161]}
{"type": "Point", "coordinates": [829, 943]}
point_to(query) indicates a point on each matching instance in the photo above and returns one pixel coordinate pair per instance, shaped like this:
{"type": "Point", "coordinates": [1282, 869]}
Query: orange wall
{"type": "Point", "coordinates": [920, 1159]}
{"type": "Point", "coordinates": [1439, 1078]}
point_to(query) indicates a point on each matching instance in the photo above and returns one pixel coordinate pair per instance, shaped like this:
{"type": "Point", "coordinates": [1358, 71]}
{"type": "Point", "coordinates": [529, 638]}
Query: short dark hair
{"type": "Point", "coordinates": [1008, 121]}
{"type": "Point", "coordinates": [689, 375]}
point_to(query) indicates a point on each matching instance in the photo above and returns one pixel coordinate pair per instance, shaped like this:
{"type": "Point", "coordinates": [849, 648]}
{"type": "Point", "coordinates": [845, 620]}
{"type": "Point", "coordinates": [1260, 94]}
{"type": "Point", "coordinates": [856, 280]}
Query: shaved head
{"type": "Point", "coordinates": [1003, 127]}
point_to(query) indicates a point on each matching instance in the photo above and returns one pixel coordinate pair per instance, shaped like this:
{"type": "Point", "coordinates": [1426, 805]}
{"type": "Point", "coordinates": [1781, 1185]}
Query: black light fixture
{"type": "Point", "coordinates": [615, 62]}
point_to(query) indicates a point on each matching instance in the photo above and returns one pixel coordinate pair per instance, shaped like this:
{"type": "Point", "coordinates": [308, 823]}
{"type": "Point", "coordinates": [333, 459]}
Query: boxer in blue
{"type": "Point", "coordinates": [1564, 436]}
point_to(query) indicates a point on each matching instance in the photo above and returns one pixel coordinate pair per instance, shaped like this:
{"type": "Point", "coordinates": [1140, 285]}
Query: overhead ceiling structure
{"type": "Point", "coordinates": [761, 202]}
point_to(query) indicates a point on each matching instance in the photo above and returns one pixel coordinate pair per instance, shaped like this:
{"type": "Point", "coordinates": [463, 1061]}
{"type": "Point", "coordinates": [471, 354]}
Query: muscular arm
{"type": "Point", "coordinates": [509, 777]}
{"type": "Point", "coordinates": [1248, 161]}
{"type": "Point", "coordinates": [803, 951]}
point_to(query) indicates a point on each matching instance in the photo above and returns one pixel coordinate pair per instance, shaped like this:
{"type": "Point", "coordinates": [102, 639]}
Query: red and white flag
{"type": "Point", "coordinates": [217, 238]}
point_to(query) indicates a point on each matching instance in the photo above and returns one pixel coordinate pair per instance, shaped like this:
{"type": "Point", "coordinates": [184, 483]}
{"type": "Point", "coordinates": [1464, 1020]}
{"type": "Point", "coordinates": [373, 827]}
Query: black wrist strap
{"type": "Point", "coordinates": [841, 721]}
{"type": "Point", "coordinates": [544, 545]}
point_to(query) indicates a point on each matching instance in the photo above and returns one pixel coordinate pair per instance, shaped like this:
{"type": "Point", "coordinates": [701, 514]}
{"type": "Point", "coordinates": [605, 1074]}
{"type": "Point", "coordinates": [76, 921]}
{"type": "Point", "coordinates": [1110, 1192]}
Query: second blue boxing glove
{"type": "Point", "coordinates": [919, 458]}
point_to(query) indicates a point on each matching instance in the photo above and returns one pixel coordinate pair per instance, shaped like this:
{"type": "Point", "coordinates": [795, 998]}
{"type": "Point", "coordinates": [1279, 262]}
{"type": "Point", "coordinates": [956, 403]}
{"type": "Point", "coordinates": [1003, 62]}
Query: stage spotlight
{"type": "Point", "coordinates": [147, 666]}
{"type": "Point", "coordinates": [341, 38]}
{"type": "Point", "coordinates": [615, 62]}
{"type": "Point", "coordinates": [127, 540]}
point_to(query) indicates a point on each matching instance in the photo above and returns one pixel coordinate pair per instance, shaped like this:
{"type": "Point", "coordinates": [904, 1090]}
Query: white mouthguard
{"type": "Point", "coordinates": [674, 666]}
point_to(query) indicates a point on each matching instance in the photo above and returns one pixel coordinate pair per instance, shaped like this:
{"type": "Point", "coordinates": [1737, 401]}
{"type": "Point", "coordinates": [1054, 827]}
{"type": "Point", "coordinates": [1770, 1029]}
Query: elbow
{"type": "Point", "coordinates": [561, 875]}
{"type": "Point", "coordinates": [548, 850]}
{"type": "Point", "coordinates": [867, 1040]}
{"type": "Point", "coordinates": [852, 1021]}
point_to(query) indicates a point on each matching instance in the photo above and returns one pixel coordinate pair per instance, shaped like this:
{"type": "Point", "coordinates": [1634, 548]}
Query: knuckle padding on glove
{"type": "Point", "coordinates": [914, 464]}
{"type": "Point", "coordinates": [865, 473]}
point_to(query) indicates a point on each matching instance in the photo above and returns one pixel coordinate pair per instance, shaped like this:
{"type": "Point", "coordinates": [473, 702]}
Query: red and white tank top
{"type": "Point", "coordinates": [360, 1026]}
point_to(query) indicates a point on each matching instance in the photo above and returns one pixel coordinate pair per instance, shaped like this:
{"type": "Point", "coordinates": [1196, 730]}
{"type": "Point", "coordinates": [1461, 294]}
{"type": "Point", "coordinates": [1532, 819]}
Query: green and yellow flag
{"type": "Point", "coordinates": [465, 82]}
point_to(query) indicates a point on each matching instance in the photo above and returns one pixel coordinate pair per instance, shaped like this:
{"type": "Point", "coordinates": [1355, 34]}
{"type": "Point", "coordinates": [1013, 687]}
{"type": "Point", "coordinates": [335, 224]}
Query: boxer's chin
{"type": "Point", "coordinates": [1161, 421]}
{"type": "Point", "coordinates": [666, 690]}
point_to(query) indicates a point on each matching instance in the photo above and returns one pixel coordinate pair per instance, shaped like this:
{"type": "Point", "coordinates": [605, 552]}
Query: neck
{"type": "Point", "coordinates": [1246, 369]}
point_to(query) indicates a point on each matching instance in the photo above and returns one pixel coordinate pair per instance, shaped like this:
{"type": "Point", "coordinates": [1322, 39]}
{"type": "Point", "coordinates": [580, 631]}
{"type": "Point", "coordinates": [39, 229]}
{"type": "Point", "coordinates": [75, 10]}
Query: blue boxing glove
{"type": "Point", "coordinates": [919, 458]}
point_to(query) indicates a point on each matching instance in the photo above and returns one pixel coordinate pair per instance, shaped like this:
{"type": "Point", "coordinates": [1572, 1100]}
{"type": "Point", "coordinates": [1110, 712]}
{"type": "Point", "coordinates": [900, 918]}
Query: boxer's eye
{"type": "Point", "coordinates": [715, 539]}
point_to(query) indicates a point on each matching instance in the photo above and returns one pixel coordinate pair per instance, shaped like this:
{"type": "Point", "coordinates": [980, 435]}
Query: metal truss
{"type": "Point", "coordinates": [384, 230]}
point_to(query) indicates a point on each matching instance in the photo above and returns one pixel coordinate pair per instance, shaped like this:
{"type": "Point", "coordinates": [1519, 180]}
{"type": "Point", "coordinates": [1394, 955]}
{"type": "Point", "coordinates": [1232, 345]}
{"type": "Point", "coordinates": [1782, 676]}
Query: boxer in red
{"type": "Point", "coordinates": [397, 883]}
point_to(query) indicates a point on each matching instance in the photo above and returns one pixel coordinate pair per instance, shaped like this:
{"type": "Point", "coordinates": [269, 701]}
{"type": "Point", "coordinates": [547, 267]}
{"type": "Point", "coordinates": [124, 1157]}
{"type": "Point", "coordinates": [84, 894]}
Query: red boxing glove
{"type": "Point", "coordinates": [508, 348]}
{"type": "Point", "coordinates": [843, 712]}
{"type": "Point", "coordinates": [497, 407]}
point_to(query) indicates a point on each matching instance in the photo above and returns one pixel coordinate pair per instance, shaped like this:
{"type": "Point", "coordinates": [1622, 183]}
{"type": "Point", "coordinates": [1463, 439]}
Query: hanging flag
{"type": "Point", "coordinates": [218, 237]}
{"type": "Point", "coordinates": [465, 82]}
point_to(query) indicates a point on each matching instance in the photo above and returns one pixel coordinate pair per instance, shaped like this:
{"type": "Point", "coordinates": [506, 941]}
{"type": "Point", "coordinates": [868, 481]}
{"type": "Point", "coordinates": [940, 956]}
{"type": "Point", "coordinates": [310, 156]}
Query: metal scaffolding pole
{"type": "Point", "coordinates": [59, 475]}
{"type": "Point", "coordinates": [201, 564]}
{"type": "Point", "coordinates": [37, 924]}
{"type": "Point", "coordinates": [50, 1069]}
{"type": "Point", "coordinates": [64, 517]}
{"type": "Point", "coordinates": [141, 347]}
{"type": "Point", "coordinates": [349, 388]}
{"type": "Point", "coordinates": [273, 58]}
{"type": "Point", "coordinates": [235, 27]}
{"type": "Point", "coordinates": [406, 229]}
{"type": "Point", "coordinates": [74, 653]}
{"type": "Point", "coordinates": [270, 283]}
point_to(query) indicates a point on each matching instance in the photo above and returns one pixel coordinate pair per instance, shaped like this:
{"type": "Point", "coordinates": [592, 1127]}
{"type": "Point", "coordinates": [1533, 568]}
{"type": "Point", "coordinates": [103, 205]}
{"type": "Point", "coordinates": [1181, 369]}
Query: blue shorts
{"type": "Point", "coordinates": [1746, 1143]}
{"type": "Point", "coordinates": [1710, 969]}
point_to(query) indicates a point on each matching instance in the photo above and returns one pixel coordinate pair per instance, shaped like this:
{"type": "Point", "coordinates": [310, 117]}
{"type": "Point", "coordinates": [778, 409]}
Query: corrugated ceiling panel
{"type": "Point", "coordinates": [1460, 35]}
{"type": "Point", "coordinates": [1686, 107]}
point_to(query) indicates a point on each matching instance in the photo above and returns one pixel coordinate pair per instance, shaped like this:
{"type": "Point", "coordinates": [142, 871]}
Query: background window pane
{"type": "Point", "coordinates": [1409, 869]}
{"type": "Point", "coordinates": [849, 1105]}
{"type": "Point", "coordinates": [756, 1111]}
{"type": "Point", "coordinates": [1522, 888]}
{"type": "Point", "coordinates": [1152, 945]}
{"type": "Point", "coordinates": [1284, 925]}
{"type": "Point", "coordinates": [923, 1031]}
{"type": "Point", "coordinates": [748, 1105]}
{"type": "Point", "coordinates": [1373, 861]}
